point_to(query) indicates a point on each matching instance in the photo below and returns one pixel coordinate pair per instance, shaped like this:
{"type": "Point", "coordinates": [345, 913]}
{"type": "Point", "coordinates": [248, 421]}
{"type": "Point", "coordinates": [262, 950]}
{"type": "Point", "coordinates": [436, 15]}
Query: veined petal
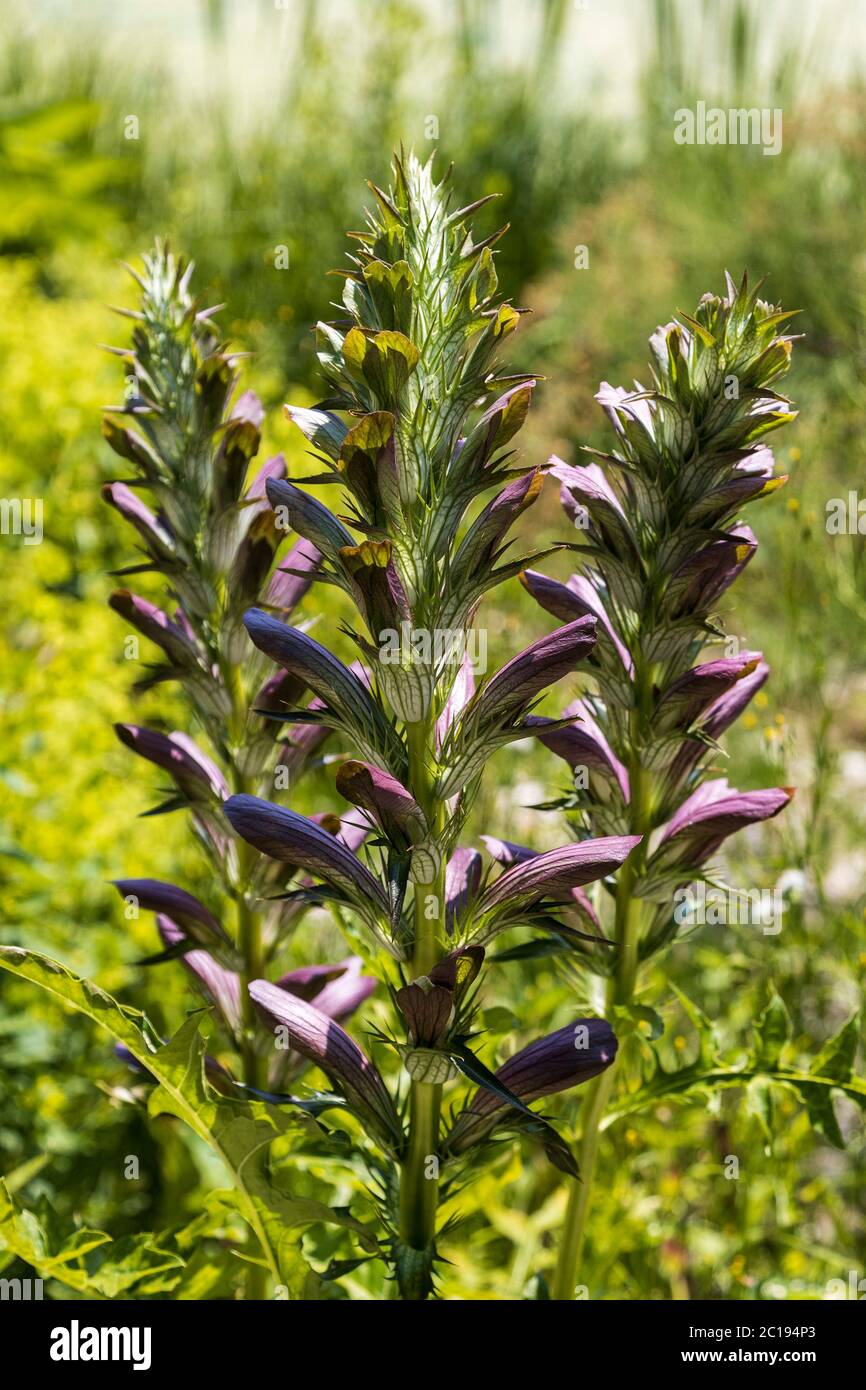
{"type": "Point", "coordinates": [533, 670]}
{"type": "Point", "coordinates": [586, 482]}
{"type": "Point", "coordinates": [461, 693]}
{"type": "Point", "coordinates": [324, 1042]}
{"type": "Point", "coordinates": [153, 532]}
{"type": "Point", "coordinates": [342, 995]}
{"type": "Point", "coordinates": [617, 402]}
{"type": "Point", "coordinates": [704, 577]}
{"type": "Point", "coordinates": [296, 840]}
{"type": "Point", "coordinates": [712, 813]}
{"type": "Point", "coordinates": [575, 599]}
{"type": "Point", "coordinates": [462, 881]}
{"type": "Point", "coordinates": [581, 744]}
{"type": "Point", "coordinates": [286, 589]}
{"type": "Point", "coordinates": [191, 915]}
{"type": "Point", "coordinates": [194, 772]}
{"type": "Point", "coordinates": [506, 853]}
{"type": "Point", "coordinates": [573, 1054]}
{"type": "Point", "coordinates": [556, 872]}
{"type": "Point", "coordinates": [312, 663]}
{"type": "Point", "coordinates": [298, 511]}
{"type": "Point", "coordinates": [728, 707]}
{"type": "Point", "coordinates": [719, 716]}
{"type": "Point", "coordinates": [392, 807]}
{"type": "Point", "coordinates": [690, 694]}
{"type": "Point", "coordinates": [172, 637]}
{"type": "Point", "coordinates": [488, 530]}
{"type": "Point", "coordinates": [221, 985]}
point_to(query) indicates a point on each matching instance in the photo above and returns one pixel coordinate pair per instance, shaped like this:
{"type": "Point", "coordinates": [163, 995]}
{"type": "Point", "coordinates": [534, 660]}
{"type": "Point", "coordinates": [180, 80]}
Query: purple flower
{"type": "Point", "coordinates": [718, 716]}
{"type": "Point", "coordinates": [750, 481]}
{"type": "Point", "coordinates": [298, 511]}
{"type": "Point", "coordinates": [506, 853]}
{"type": "Point", "coordinates": [555, 873]}
{"type": "Point", "coordinates": [293, 577]}
{"type": "Point", "coordinates": [325, 1043]}
{"type": "Point", "coordinates": [533, 670]}
{"type": "Point", "coordinates": [174, 638]}
{"type": "Point", "coordinates": [462, 881]}
{"type": "Point", "coordinates": [302, 741]}
{"type": "Point", "coordinates": [296, 840]}
{"type": "Point", "coordinates": [385, 799]}
{"type": "Point", "coordinates": [461, 693]}
{"type": "Point", "coordinates": [712, 813]}
{"type": "Point", "coordinates": [485, 535]}
{"type": "Point", "coordinates": [194, 772]}
{"type": "Point", "coordinates": [337, 990]}
{"type": "Point", "coordinates": [581, 744]}
{"type": "Point", "coordinates": [305, 659]}
{"type": "Point", "coordinates": [704, 577]}
{"type": "Point", "coordinates": [240, 440]}
{"type": "Point", "coordinates": [153, 532]}
{"type": "Point", "coordinates": [692, 693]}
{"type": "Point", "coordinates": [221, 986]}
{"type": "Point", "coordinates": [575, 599]}
{"type": "Point", "coordinates": [191, 915]}
{"type": "Point", "coordinates": [566, 1058]}
{"type": "Point", "coordinates": [619, 404]}
{"type": "Point", "coordinates": [592, 505]}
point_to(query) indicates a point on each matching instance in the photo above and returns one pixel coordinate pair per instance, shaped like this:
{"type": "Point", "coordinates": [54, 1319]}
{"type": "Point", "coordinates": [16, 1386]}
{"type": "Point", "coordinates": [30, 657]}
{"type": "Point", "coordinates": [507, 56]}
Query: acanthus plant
{"type": "Point", "coordinates": [416, 429]}
{"type": "Point", "coordinates": [661, 541]}
{"type": "Point", "coordinates": [408, 370]}
{"type": "Point", "coordinates": [213, 540]}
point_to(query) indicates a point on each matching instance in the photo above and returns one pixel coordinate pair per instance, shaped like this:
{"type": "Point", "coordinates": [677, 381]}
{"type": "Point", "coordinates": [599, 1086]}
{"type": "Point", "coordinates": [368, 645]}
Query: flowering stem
{"type": "Point", "coordinates": [419, 1191]}
{"type": "Point", "coordinates": [250, 943]}
{"type": "Point", "coordinates": [249, 927]}
{"type": "Point", "coordinates": [620, 992]}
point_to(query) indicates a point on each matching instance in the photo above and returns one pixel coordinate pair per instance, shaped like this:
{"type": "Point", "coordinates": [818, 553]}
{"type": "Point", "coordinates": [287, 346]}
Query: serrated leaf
{"type": "Point", "coordinates": [772, 1032]}
{"type": "Point", "coordinates": [238, 1132]}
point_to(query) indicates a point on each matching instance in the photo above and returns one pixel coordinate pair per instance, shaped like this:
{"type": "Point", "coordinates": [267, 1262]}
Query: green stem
{"type": "Point", "coordinates": [574, 1228]}
{"type": "Point", "coordinates": [419, 1186]}
{"type": "Point", "coordinates": [249, 942]}
{"type": "Point", "coordinates": [620, 992]}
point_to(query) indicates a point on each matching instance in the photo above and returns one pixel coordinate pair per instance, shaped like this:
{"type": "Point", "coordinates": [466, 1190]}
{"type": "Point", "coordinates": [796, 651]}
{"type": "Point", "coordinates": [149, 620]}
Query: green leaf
{"type": "Point", "coordinates": [772, 1032]}
{"type": "Point", "coordinates": [238, 1132]}
{"type": "Point", "coordinates": [836, 1058]}
{"type": "Point", "coordinates": [84, 1260]}
{"type": "Point", "coordinates": [831, 1071]}
{"type": "Point", "coordinates": [385, 362]}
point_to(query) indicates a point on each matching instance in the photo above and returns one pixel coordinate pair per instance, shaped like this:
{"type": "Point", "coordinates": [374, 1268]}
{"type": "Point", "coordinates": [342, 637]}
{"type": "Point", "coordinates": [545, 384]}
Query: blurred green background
{"type": "Point", "coordinates": [236, 129]}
